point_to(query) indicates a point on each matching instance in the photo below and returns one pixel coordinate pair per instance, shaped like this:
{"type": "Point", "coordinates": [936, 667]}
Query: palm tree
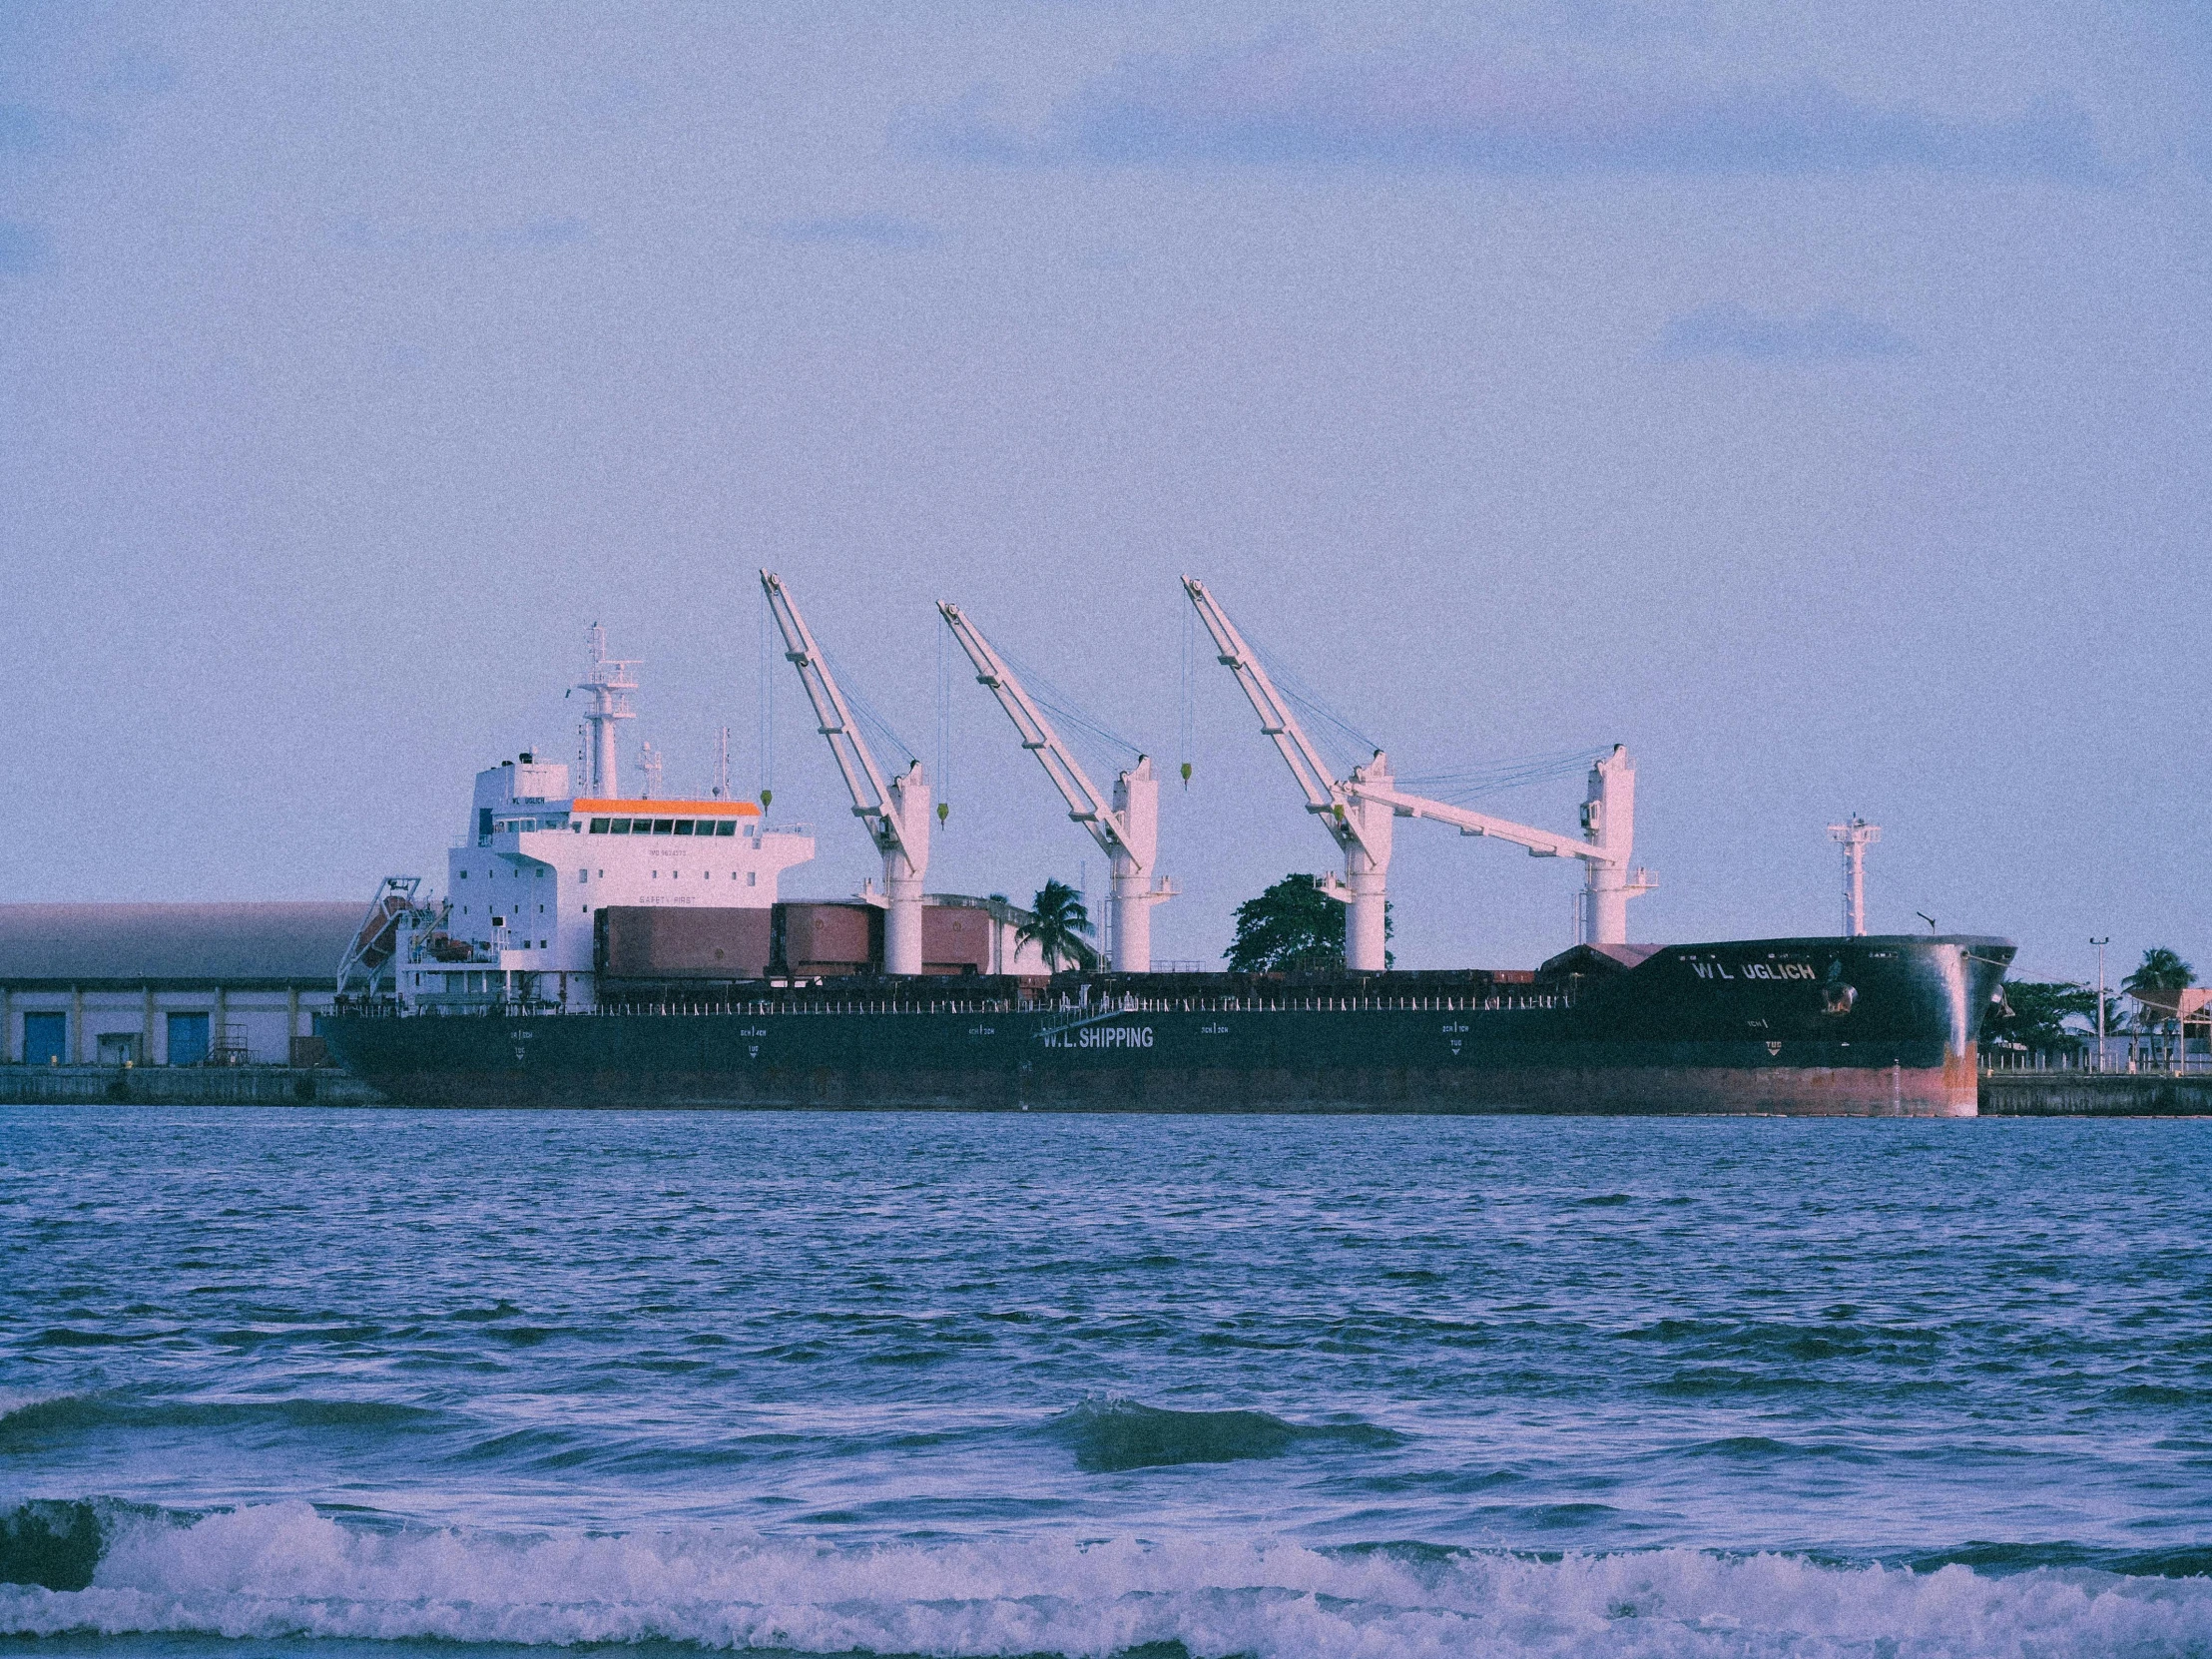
{"type": "Point", "coordinates": [2157, 984]}
{"type": "Point", "coordinates": [2160, 970]}
{"type": "Point", "coordinates": [1060, 925]}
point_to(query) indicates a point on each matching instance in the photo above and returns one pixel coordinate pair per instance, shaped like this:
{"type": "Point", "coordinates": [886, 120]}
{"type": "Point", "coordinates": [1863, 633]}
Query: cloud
{"type": "Point", "coordinates": [537, 233]}
{"type": "Point", "coordinates": [141, 75]}
{"type": "Point", "coordinates": [23, 248]}
{"type": "Point", "coordinates": [1291, 106]}
{"type": "Point", "coordinates": [1728, 330]}
{"type": "Point", "coordinates": [859, 231]}
{"type": "Point", "coordinates": [530, 235]}
{"type": "Point", "coordinates": [23, 128]}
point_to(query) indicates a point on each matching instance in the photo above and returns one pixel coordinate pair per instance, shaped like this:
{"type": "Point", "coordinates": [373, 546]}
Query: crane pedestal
{"type": "Point", "coordinates": [1368, 872]}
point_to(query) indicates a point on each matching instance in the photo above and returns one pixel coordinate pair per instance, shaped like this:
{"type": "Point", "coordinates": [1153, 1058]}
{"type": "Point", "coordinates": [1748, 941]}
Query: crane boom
{"type": "Point", "coordinates": [1359, 825]}
{"type": "Point", "coordinates": [1324, 796]}
{"type": "Point", "coordinates": [1608, 840]}
{"type": "Point", "coordinates": [1127, 829]}
{"type": "Point", "coordinates": [897, 814]}
{"type": "Point", "coordinates": [1085, 804]}
{"type": "Point", "coordinates": [1541, 843]}
{"type": "Point", "coordinates": [1359, 809]}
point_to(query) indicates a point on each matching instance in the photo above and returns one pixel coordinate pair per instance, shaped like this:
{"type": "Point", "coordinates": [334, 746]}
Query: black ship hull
{"type": "Point", "coordinates": [1819, 1026]}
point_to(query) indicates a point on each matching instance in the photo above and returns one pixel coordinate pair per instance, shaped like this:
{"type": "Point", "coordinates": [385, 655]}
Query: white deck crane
{"type": "Point", "coordinates": [1358, 822]}
{"type": "Point", "coordinates": [896, 813]}
{"type": "Point", "coordinates": [1127, 832]}
{"type": "Point", "coordinates": [1608, 837]}
{"type": "Point", "coordinates": [1358, 811]}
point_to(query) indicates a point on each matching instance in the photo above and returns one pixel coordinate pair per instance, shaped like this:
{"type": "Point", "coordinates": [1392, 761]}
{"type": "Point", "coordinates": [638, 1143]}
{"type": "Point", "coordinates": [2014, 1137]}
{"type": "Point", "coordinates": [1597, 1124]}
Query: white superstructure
{"type": "Point", "coordinates": [537, 862]}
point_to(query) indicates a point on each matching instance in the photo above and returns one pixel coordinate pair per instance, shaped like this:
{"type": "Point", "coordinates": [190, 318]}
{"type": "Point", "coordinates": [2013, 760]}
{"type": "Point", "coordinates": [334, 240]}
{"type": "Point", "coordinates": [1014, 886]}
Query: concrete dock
{"type": "Point", "coordinates": [182, 1086]}
{"type": "Point", "coordinates": [2095, 1094]}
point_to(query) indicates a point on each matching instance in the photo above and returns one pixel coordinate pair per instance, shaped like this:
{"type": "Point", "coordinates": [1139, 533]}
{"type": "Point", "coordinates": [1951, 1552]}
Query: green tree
{"type": "Point", "coordinates": [1292, 927]}
{"type": "Point", "coordinates": [2034, 1015]}
{"type": "Point", "coordinates": [1060, 925]}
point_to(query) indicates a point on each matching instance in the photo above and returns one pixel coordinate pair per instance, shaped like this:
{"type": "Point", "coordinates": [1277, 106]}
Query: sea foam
{"type": "Point", "coordinates": [285, 1569]}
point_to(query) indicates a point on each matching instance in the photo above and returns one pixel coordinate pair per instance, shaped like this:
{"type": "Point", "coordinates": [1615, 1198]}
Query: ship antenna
{"type": "Point", "coordinates": [609, 683]}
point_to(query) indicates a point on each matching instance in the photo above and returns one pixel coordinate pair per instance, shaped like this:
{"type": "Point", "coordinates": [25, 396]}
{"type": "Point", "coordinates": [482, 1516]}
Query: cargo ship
{"type": "Point", "coordinates": [1876, 1026]}
{"type": "Point", "coordinates": [594, 948]}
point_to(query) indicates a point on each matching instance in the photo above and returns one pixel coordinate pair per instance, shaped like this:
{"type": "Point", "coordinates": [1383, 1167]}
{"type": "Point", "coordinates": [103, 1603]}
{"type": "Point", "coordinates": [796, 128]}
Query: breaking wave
{"type": "Point", "coordinates": [286, 1570]}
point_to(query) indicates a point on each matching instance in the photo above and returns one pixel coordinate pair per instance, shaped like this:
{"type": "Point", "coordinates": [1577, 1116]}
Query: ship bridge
{"type": "Point", "coordinates": [538, 863]}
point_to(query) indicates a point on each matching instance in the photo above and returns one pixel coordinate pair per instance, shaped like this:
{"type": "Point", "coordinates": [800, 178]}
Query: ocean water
{"type": "Point", "coordinates": [388, 1385]}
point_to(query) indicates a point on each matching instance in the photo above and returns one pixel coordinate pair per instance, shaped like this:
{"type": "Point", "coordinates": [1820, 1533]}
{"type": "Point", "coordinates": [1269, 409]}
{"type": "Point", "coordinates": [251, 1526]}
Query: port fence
{"type": "Point", "coordinates": [2138, 1054]}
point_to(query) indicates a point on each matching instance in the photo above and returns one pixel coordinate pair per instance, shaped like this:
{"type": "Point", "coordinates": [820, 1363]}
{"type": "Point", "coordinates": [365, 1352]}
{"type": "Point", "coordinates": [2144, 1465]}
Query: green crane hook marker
{"type": "Point", "coordinates": [1186, 774]}
{"type": "Point", "coordinates": [944, 810]}
{"type": "Point", "coordinates": [767, 795]}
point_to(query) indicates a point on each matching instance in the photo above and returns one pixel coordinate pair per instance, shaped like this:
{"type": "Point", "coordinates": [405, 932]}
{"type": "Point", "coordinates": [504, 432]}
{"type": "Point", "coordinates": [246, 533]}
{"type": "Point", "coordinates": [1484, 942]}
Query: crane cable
{"type": "Point", "coordinates": [1460, 788]}
{"type": "Point", "coordinates": [1187, 692]}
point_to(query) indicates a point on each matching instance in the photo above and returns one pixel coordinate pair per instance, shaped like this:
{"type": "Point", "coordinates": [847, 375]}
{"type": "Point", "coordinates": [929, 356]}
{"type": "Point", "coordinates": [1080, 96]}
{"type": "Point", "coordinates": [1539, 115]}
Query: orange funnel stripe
{"type": "Point", "coordinates": [668, 808]}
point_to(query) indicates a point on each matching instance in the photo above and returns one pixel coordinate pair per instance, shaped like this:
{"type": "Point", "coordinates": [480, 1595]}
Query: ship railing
{"type": "Point", "coordinates": [458, 953]}
{"type": "Point", "coordinates": [1071, 1013]}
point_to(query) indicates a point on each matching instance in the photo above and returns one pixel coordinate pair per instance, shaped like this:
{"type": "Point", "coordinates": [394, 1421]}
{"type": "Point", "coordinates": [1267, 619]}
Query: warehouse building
{"type": "Point", "coordinates": [168, 984]}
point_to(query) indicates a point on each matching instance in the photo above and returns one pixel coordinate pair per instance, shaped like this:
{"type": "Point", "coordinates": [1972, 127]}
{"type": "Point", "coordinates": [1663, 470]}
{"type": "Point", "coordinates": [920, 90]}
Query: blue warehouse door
{"type": "Point", "coordinates": [45, 1039]}
{"type": "Point", "coordinates": [187, 1039]}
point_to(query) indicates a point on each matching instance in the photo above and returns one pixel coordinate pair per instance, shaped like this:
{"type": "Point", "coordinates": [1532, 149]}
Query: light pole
{"type": "Point", "coordinates": [2101, 944]}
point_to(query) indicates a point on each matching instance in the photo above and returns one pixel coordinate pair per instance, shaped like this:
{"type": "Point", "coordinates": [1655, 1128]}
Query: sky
{"type": "Point", "coordinates": [1812, 397]}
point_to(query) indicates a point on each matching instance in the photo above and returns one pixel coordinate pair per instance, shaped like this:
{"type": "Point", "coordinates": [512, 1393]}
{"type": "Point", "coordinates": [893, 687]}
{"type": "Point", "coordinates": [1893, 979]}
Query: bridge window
{"type": "Point", "coordinates": [663, 826]}
{"type": "Point", "coordinates": [685, 825]}
{"type": "Point", "coordinates": [728, 826]}
{"type": "Point", "coordinates": [599, 826]}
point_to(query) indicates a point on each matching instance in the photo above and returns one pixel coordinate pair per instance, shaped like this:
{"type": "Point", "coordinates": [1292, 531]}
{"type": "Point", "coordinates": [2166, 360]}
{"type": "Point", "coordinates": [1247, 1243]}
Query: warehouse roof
{"type": "Point", "coordinates": [156, 945]}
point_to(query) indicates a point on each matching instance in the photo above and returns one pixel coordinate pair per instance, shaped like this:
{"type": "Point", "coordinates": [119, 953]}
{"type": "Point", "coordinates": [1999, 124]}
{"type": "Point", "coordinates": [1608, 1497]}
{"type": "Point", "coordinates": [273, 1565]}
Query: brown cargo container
{"type": "Point", "coordinates": [828, 940]}
{"type": "Point", "coordinates": [957, 938]}
{"type": "Point", "coordinates": [638, 941]}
